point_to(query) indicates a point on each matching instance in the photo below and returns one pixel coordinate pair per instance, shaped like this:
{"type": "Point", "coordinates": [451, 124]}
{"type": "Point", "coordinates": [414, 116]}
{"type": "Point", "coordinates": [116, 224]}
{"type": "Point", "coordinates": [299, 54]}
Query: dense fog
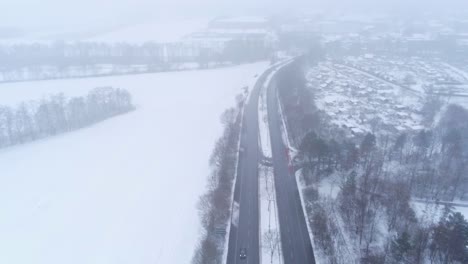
{"type": "Point", "coordinates": [221, 131]}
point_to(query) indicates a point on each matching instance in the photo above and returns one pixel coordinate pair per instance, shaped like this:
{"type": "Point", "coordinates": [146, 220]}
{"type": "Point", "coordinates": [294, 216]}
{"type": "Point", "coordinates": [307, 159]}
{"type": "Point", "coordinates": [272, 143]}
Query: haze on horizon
{"type": "Point", "coordinates": [90, 14]}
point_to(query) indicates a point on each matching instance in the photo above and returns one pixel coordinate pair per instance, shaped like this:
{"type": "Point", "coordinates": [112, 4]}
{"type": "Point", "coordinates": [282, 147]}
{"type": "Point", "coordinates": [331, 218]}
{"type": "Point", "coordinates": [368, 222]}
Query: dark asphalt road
{"type": "Point", "coordinates": [295, 240]}
{"type": "Point", "coordinates": [246, 234]}
{"type": "Point", "coordinates": [296, 245]}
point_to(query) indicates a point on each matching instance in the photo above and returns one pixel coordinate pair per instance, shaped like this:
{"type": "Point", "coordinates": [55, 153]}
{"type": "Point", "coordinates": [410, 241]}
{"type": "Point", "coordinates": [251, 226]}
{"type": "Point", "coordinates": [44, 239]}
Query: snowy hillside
{"type": "Point", "coordinates": [121, 191]}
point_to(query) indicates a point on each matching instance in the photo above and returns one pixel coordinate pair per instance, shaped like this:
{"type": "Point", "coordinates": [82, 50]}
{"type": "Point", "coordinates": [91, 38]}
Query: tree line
{"type": "Point", "coordinates": [61, 60]}
{"type": "Point", "coordinates": [215, 205]}
{"type": "Point", "coordinates": [90, 53]}
{"type": "Point", "coordinates": [57, 114]}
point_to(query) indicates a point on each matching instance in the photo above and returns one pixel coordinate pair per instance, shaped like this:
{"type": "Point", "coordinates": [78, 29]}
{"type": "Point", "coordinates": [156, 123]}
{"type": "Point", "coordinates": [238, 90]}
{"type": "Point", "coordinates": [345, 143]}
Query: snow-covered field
{"type": "Point", "coordinates": [153, 32]}
{"type": "Point", "coordinates": [124, 190]}
{"type": "Point", "coordinates": [158, 30]}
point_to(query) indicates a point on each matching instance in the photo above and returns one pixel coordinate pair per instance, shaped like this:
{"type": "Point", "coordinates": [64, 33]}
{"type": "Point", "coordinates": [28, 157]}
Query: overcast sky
{"type": "Point", "coordinates": [88, 13]}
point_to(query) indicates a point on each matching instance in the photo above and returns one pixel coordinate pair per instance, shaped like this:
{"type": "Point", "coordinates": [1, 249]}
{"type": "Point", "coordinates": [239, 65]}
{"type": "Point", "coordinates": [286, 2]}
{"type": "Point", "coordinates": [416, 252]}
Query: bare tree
{"type": "Point", "coordinates": [271, 241]}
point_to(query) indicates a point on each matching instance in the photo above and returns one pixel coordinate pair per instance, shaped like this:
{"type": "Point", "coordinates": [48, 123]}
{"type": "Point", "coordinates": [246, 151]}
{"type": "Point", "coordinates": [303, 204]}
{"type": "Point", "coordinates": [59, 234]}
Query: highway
{"type": "Point", "coordinates": [244, 233]}
{"type": "Point", "coordinates": [295, 240]}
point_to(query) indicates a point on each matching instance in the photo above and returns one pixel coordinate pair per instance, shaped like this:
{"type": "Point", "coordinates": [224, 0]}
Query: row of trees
{"type": "Point", "coordinates": [215, 205]}
{"type": "Point", "coordinates": [60, 59]}
{"type": "Point", "coordinates": [58, 114]}
{"type": "Point", "coordinates": [296, 99]}
{"type": "Point", "coordinates": [441, 47]}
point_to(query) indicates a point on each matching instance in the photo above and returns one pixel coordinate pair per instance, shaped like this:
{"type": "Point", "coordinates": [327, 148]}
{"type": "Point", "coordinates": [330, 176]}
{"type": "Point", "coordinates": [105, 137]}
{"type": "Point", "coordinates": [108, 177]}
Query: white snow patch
{"type": "Point", "coordinates": [463, 210]}
{"type": "Point", "coordinates": [270, 229]}
{"type": "Point", "coordinates": [235, 214]}
{"type": "Point", "coordinates": [330, 186]}
{"type": "Point", "coordinates": [319, 259]}
{"type": "Point", "coordinates": [264, 130]}
{"type": "Point", "coordinates": [430, 212]}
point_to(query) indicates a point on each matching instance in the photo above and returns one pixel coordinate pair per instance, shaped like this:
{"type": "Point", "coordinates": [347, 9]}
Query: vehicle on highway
{"type": "Point", "coordinates": [243, 253]}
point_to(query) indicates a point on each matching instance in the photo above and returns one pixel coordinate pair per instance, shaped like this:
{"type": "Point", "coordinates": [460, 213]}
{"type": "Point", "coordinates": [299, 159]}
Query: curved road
{"type": "Point", "coordinates": [244, 231]}
{"type": "Point", "coordinates": [295, 239]}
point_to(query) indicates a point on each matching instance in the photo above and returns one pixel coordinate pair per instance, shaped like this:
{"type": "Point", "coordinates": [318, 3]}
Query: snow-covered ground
{"type": "Point", "coordinates": [269, 226]}
{"type": "Point", "coordinates": [124, 190]}
{"type": "Point", "coordinates": [264, 130]}
{"type": "Point", "coordinates": [430, 213]}
{"type": "Point", "coordinates": [328, 189]}
{"type": "Point", "coordinates": [360, 103]}
{"type": "Point", "coordinates": [318, 256]}
{"type": "Point", "coordinates": [153, 32]}
{"type": "Point", "coordinates": [164, 30]}
{"type": "Point", "coordinates": [270, 229]}
{"type": "Point", "coordinates": [463, 210]}
{"type": "Point", "coordinates": [421, 75]}
{"type": "Point", "coordinates": [158, 30]}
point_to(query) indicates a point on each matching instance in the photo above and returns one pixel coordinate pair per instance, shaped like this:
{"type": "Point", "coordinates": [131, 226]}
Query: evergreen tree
{"type": "Point", "coordinates": [368, 144]}
{"type": "Point", "coordinates": [450, 239]}
{"type": "Point", "coordinates": [401, 246]}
